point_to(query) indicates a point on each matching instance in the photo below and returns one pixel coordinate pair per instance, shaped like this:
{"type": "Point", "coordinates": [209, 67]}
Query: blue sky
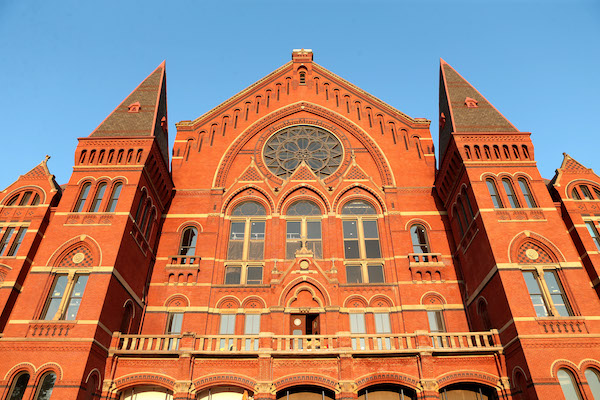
{"type": "Point", "coordinates": [68, 64]}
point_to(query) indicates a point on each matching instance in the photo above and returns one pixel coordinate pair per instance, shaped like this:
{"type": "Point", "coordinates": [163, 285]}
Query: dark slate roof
{"type": "Point", "coordinates": [454, 90]}
{"type": "Point", "coordinates": [151, 96]}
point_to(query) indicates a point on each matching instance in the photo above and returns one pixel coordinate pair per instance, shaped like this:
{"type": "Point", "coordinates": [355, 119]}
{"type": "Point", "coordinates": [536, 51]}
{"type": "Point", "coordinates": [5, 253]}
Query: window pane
{"type": "Point", "coordinates": [46, 386]}
{"type": "Point", "coordinates": [98, 198]}
{"type": "Point", "coordinates": [527, 193]}
{"type": "Point", "coordinates": [382, 323]}
{"type": "Point", "coordinates": [357, 323]}
{"type": "Point", "coordinates": [254, 276]}
{"type": "Point", "coordinates": [188, 242]}
{"type": "Point", "coordinates": [353, 274]}
{"type": "Point", "coordinates": [418, 236]}
{"type": "Point", "coordinates": [256, 250]}
{"type": "Point", "coordinates": [370, 228]}
{"type": "Point", "coordinates": [237, 231]}
{"type": "Point", "coordinates": [56, 296]}
{"type": "Point", "coordinates": [586, 192]}
{"type": "Point", "coordinates": [252, 326]}
{"type": "Point", "coordinates": [593, 382]}
{"type": "Point", "coordinates": [293, 230]}
{"type": "Point", "coordinates": [291, 248]}
{"type": "Point", "coordinates": [25, 199]}
{"type": "Point", "coordinates": [351, 249]}
{"type": "Point", "coordinates": [535, 293]}
{"type": "Point", "coordinates": [494, 193]}
{"type": "Point", "coordinates": [174, 322]}
{"type": "Point", "coordinates": [76, 296]}
{"type": "Point", "coordinates": [233, 275]}
{"type": "Point", "coordinates": [304, 207]}
{"type": "Point", "coordinates": [82, 197]}
{"type": "Point", "coordinates": [593, 233]}
{"type": "Point", "coordinates": [350, 230]}
{"type": "Point", "coordinates": [114, 198]}
{"type": "Point", "coordinates": [17, 242]}
{"type": "Point", "coordinates": [436, 321]}
{"type": "Point", "coordinates": [372, 248]}
{"type": "Point", "coordinates": [358, 207]}
{"type": "Point", "coordinates": [257, 230]}
{"type": "Point", "coordinates": [6, 239]}
{"type": "Point", "coordinates": [313, 229]}
{"type": "Point", "coordinates": [19, 387]}
{"type": "Point", "coordinates": [568, 385]}
{"type": "Point", "coordinates": [375, 273]}
{"type": "Point", "coordinates": [227, 326]}
{"type": "Point", "coordinates": [556, 293]}
{"type": "Point", "coordinates": [316, 247]}
{"type": "Point", "coordinates": [249, 208]}
{"type": "Point", "coordinates": [510, 193]}
{"type": "Point", "coordinates": [234, 251]}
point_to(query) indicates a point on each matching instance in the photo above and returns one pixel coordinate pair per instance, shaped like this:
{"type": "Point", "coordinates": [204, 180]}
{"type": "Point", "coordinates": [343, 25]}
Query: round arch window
{"type": "Point", "coordinates": [286, 149]}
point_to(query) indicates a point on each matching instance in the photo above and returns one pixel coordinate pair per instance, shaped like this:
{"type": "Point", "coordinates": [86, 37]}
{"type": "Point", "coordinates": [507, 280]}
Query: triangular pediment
{"type": "Point", "coordinates": [251, 174]}
{"type": "Point", "coordinates": [303, 173]}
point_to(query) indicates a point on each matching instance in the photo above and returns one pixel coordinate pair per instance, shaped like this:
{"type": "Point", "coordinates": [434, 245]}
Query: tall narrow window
{"type": "Point", "coordinates": [85, 191]}
{"type": "Point", "coordinates": [150, 223]}
{"type": "Point", "coordinates": [74, 300]}
{"type": "Point", "coordinates": [468, 202]}
{"type": "Point", "coordinates": [17, 390]}
{"type": "Point", "coordinates": [303, 227]}
{"type": "Point", "coordinates": [420, 243]}
{"type": "Point", "coordinates": [575, 194]}
{"type": "Point", "coordinates": [17, 242]}
{"type": "Point", "coordinates": [597, 193]}
{"type": "Point", "coordinates": [98, 197]}
{"type": "Point", "coordinates": [6, 239]}
{"type": "Point", "coordinates": [252, 327]}
{"type": "Point", "coordinates": [494, 193]}
{"type": "Point", "coordinates": [361, 237]}
{"type": "Point", "coordinates": [358, 327]}
{"type": "Point", "coordinates": [591, 375]}
{"type": "Point", "coordinates": [436, 325]}
{"type": "Point", "coordinates": [568, 384]}
{"type": "Point", "coordinates": [302, 78]}
{"type": "Point", "coordinates": [557, 294]}
{"type": "Point", "coordinates": [457, 217]}
{"type": "Point", "coordinates": [45, 387]}
{"type": "Point", "coordinates": [60, 308]}
{"type": "Point", "coordinates": [174, 323]}
{"type": "Point", "coordinates": [25, 199]}
{"type": "Point", "coordinates": [587, 195]}
{"type": "Point", "coordinates": [383, 326]}
{"type": "Point", "coordinates": [36, 200]}
{"type": "Point", "coordinates": [188, 242]}
{"type": "Point", "coordinates": [227, 327]}
{"type": "Point", "coordinates": [593, 233]}
{"type": "Point", "coordinates": [529, 200]}
{"type": "Point", "coordinates": [461, 205]}
{"type": "Point", "coordinates": [114, 198]}
{"type": "Point", "coordinates": [535, 293]}
{"type": "Point", "coordinates": [513, 201]}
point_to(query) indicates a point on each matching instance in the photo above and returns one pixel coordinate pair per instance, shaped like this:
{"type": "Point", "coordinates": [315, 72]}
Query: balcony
{"type": "Point", "coordinates": [282, 345]}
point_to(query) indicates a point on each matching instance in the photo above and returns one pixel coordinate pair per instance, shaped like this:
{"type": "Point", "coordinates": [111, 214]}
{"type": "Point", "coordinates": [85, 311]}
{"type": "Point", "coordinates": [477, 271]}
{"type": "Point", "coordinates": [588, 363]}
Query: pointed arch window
{"type": "Point", "coordinates": [17, 390]}
{"type": "Point", "coordinates": [98, 197]}
{"type": "Point", "coordinates": [303, 225]}
{"type": "Point", "coordinates": [568, 384]}
{"type": "Point", "coordinates": [114, 197]}
{"type": "Point", "coordinates": [529, 200]}
{"type": "Point", "coordinates": [420, 242]}
{"type": "Point", "coordinates": [510, 193]}
{"type": "Point", "coordinates": [83, 195]}
{"type": "Point", "coordinates": [491, 185]}
{"type": "Point", "coordinates": [45, 386]}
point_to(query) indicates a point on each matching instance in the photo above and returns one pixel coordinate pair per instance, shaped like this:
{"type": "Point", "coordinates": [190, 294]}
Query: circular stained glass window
{"type": "Point", "coordinates": [285, 150]}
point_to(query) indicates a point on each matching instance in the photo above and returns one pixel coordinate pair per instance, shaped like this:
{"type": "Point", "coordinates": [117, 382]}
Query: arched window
{"type": "Point", "coordinates": [525, 151]}
{"type": "Point", "coordinates": [147, 393]}
{"type": "Point", "coordinates": [587, 195]}
{"type": "Point", "coordinates": [463, 212]}
{"type": "Point", "coordinates": [13, 200]}
{"type": "Point", "coordinates": [246, 244]}
{"type": "Point", "coordinates": [529, 200]}
{"type": "Point", "coordinates": [477, 152]}
{"type": "Point", "coordinates": [114, 197]}
{"type": "Point", "coordinates": [45, 386]}
{"type": "Point", "coordinates": [575, 194]}
{"type": "Point", "coordinates": [460, 225]}
{"type": "Point", "coordinates": [98, 197]}
{"type": "Point", "coordinates": [386, 391]}
{"type": "Point", "coordinates": [420, 243]}
{"type": "Point", "coordinates": [468, 202]}
{"type": "Point", "coordinates": [305, 393]}
{"type": "Point", "coordinates": [510, 193]}
{"type": "Point", "coordinates": [591, 375]}
{"type": "Point", "coordinates": [302, 78]}
{"type": "Point", "coordinates": [149, 225]}
{"type": "Point", "coordinates": [466, 391]}
{"type": "Point", "coordinates": [468, 152]}
{"type": "Point", "coordinates": [17, 390]}
{"type": "Point", "coordinates": [25, 198]}
{"type": "Point", "coordinates": [127, 318]}
{"type": "Point", "coordinates": [496, 152]}
{"type": "Point", "coordinates": [361, 242]}
{"type": "Point", "coordinates": [515, 151]}
{"type": "Point", "coordinates": [506, 152]}
{"type": "Point", "coordinates": [597, 192]}
{"type": "Point", "coordinates": [90, 387]}
{"type": "Point", "coordinates": [303, 225]}
{"type": "Point", "coordinates": [147, 207]}
{"type": "Point", "coordinates": [484, 315]}
{"type": "Point", "coordinates": [36, 200]}
{"type": "Point", "coordinates": [491, 185]}
{"type": "Point", "coordinates": [85, 191]}
{"type": "Point", "coordinates": [188, 242]}
{"type": "Point", "coordinates": [568, 384]}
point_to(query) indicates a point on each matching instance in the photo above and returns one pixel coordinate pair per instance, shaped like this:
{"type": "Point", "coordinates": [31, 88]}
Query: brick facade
{"type": "Point", "coordinates": [303, 244]}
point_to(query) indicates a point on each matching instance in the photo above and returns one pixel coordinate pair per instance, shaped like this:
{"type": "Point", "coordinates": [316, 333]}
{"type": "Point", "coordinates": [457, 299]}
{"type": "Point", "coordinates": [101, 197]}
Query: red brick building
{"type": "Point", "coordinates": [302, 245]}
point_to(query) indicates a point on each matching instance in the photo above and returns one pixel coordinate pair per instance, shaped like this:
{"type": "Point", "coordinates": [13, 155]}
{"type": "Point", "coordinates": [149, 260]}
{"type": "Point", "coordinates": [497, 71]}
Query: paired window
{"type": "Point", "coordinates": [65, 298]}
{"type": "Point", "coordinates": [303, 227]}
{"type": "Point", "coordinates": [98, 197]}
{"type": "Point", "coordinates": [546, 293]}
{"type": "Point", "coordinates": [382, 327]}
{"type": "Point", "coordinates": [593, 233]}
{"type": "Point", "coordinates": [246, 244]}
{"type": "Point", "coordinates": [43, 390]}
{"type": "Point", "coordinates": [9, 246]}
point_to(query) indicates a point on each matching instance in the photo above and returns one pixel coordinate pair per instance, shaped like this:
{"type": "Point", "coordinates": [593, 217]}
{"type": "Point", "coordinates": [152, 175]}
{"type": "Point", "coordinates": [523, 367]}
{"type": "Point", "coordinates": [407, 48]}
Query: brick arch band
{"type": "Point", "coordinates": [258, 127]}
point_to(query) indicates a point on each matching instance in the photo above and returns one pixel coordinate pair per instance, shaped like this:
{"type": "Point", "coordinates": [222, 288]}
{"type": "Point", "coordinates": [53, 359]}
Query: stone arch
{"type": "Point", "coordinates": [238, 196]}
{"type": "Point", "coordinates": [566, 364]}
{"type": "Point", "coordinates": [21, 367]}
{"type": "Point", "coordinates": [208, 381]}
{"type": "Point", "coordinates": [82, 243]}
{"type": "Point", "coordinates": [290, 196]}
{"type": "Point", "coordinates": [417, 221]}
{"type": "Point", "coordinates": [468, 376]}
{"type": "Point", "coordinates": [382, 377]}
{"type": "Point", "coordinates": [146, 378]}
{"type": "Point", "coordinates": [4, 270]}
{"type": "Point", "coordinates": [433, 299]}
{"type": "Point", "coordinates": [299, 291]}
{"type": "Point", "coordinates": [289, 381]}
{"type": "Point", "coordinates": [546, 251]}
{"type": "Point", "coordinates": [34, 188]}
{"type": "Point", "coordinates": [187, 224]}
{"type": "Point", "coordinates": [371, 196]}
{"type": "Point", "coordinates": [589, 363]}
{"type": "Point", "coordinates": [177, 300]}
{"type": "Point", "coordinates": [95, 372]}
{"type": "Point", "coordinates": [273, 117]}
{"type": "Point", "coordinates": [517, 370]}
{"type": "Point", "coordinates": [228, 302]}
{"type": "Point", "coordinates": [576, 182]}
{"type": "Point", "coordinates": [254, 302]}
{"type": "Point", "coordinates": [356, 301]}
{"type": "Point", "coordinates": [49, 367]}
{"type": "Point", "coordinates": [381, 301]}
{"type": "Point", "coordinates": [130, 303]}
{"type": "Point", "coordinates": [307, 281]}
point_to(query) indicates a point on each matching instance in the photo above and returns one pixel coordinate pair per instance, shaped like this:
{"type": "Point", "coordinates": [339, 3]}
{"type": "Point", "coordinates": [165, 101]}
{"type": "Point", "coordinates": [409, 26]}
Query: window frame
{"type": "Point", "coordinates": [494, 194]}
{"type": "Point", "coordinates": [40, 384]}
{"type": "Point", "coordinates": [511, 195]}
{"type": "Point", "coordinates": [174, 317]}
{"type": "Point", "coordinates": [113, 200]}
{"type": "Point", "coordinates": [592, 230]}
{"type": "Point", "coordinates": [66, 297]}
{"type": "Point", "coordinates": [551, 310]}
{"type": "Point", "coordinates": [82, 197]}
{"type": "Point", "coordinates": [526, 192]}
{"type": "Point", "coordinates": [14, 382]}
{"type": "Point", "coordinates": [572, 380]}
{"type": "Point", "coordinates": [304, 221]}
{"type": "Point", "coordinates": [98, 197]}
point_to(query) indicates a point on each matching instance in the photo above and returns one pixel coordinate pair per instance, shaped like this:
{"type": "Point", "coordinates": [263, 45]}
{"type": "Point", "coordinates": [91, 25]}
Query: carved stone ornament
{"type": "Point", "coordinates": [78, 258]}
{"type": "Point", "coordinates": [532, 254]}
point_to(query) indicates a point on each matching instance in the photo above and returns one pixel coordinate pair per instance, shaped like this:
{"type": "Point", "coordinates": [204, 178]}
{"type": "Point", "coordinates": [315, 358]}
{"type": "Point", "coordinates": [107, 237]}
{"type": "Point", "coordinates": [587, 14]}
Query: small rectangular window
{"type": "Point", "coordinates": [17, 242]}
{"type": "Point", "coordinates": [358, 326]}
{"type": "Point", "coordinates": [252, 327]}
{"type": "Point", "coordinates": [257, 240]}
{"type": "Point", "coordinates": [382, 325]}
{"type": "Point", "coordinates": [254, 275]}
{"type": "Point", "coordinates": [236, 241]}
{"type": "Point", "coordinates": [354, 274]}
{"type": "Point", "coordinates": [351, 249]}
{"type": "Point", "coordinates": [233, 275]}
{"type": "Point", "coordinates": [227, 327]}
{"type": "Point", "coordinates": [375, 272]}
{"type": "Point", "coordinates": [174, 323]}
{"type": "Point", "coordinates": [593, 233]}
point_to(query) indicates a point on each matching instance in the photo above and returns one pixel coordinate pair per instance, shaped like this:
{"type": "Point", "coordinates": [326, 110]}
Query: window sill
{"type": "Point", "coordinates": [565, 325]}
{"type": "Point", "coordinates": [365, 284]}
{"type": "Point", "coordinates": [242, 285]}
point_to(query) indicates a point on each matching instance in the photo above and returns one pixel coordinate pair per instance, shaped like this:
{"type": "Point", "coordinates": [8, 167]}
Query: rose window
{"type": "Point", "coordinates": [320, 149]}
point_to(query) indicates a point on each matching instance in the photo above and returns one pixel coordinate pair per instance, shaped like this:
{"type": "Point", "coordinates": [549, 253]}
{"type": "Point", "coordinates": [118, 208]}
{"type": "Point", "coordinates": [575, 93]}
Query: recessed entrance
{"type": "Point", "coordinates": [305, 324]}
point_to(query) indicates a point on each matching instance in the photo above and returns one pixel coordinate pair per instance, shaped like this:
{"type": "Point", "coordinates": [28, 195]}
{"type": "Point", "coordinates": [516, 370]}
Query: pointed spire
{"type": "Point", "coordinates": [142, 113]}
{"type": "Point", "coordinates": [464, 109]}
